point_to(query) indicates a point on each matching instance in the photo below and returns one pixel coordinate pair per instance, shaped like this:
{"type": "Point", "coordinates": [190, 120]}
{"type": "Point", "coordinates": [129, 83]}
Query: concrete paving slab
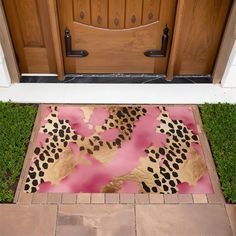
{"type": "Point", "coordinates": [182, 220]}
{"type": "Point", "coordinates": [27, 220]}
{"type": "Point", "coordinates": [99, 220]}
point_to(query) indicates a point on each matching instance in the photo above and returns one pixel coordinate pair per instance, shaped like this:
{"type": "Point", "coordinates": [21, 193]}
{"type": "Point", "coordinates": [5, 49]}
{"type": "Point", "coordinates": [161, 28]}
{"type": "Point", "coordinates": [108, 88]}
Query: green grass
{"type": "Point", "coordinates": [16, 123]}
{"type": "Point", "coordinates": [220, 125]}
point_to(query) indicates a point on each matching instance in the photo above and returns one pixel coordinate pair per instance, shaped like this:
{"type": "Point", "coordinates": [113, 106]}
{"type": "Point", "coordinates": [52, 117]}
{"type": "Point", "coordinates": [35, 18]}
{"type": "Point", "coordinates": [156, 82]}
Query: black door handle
{"type": "Point", "coordinates": [162, 52]}
{"type": "Point", "coordinates": [69, 51]}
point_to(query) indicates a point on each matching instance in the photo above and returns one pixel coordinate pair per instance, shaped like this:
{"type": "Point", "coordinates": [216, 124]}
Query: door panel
{"type": "Point", "coordinates": [122, 13]}
{"type": "Point", "coordinates": [133, 13]}
{"type": "Point", "coordinates": [201, 33]}
{"type": "Point", "coordinates": [29, 26]}
{"type": "Point", "coordinates": [83, 15]}
{"type": "Point", "coordinates": [99, 9]}
{"type": "Point", "coordinates": [108, 57]}
{"type": "Point", "coordinates": [151, 11]}
{"type": "Point", "coordinates": [117, 38]}
{"type": "Point", "coordinates": [116, 14]}
{"type": "Point", "coordinates": [30, 29]}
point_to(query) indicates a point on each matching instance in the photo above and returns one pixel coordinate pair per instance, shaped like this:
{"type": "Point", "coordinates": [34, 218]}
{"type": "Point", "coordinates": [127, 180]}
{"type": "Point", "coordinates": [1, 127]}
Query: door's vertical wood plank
{"type": "Point", "coordinates": [16, 34]}
{"type": "Point", "coordinates": [99, 15]}
{"type": "Point", "coordinates": [54, 25]}
{"type": "Point", "coordinates": [30, 25]}
{"type": "Point", "coordinates": [204, 23]}
{"type": "Point", "coordinates": [116, 14]}
{"type": "Point", "coordinates": [175, 39]}
{"type": "Point", "coordinates": [166, 17]}
{"type": "Point", "coordinates": [66, 19]}
{"type": "Point", "coordinates": [30, 29]}
{"type": "Point", "coordinates": [47, 34]}
{"type": "Point", "coordinates": [82, 11]}
{"type": "Point", "coordinates": [151, 11]}
{"type": "Point", "coordinates": [133, 16]}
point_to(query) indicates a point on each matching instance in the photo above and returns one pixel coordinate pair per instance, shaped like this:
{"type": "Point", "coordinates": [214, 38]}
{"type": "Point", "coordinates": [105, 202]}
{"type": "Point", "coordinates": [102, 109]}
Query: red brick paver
{"type": "Point", "coordinates": [200, 198]}
{"type": "Point", "coordinates": [112, 198]}
{"type": "Point", "coordinates": [156, 198]}
{"type": "Point", "coordinates": [54, 198]}
{"type": "Point", "coordinates": [25, 198]}
{"type": "Point", "coordinates": [171, 198]}
{"type": "Point", "coordinates": [185, 198]}
{"type": "Point", "coordinates": [84, 198]}
{"type": "Point", "coordinates": [69, 198]}
{"type": "Point", "coordinates": [142, 198]}
{"type": "Point", "coordinates": [97, 198]}
{"type": "Point", "coordinates": [39, 198]}
{"type": "Point", "coordinates": [127, 198]}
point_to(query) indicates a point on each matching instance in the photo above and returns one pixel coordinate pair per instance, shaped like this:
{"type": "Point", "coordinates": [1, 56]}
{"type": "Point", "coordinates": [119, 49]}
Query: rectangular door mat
{"type": "Point", "coordinates": [118, 149]}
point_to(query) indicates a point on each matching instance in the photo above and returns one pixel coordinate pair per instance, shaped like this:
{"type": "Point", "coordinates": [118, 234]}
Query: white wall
{"type": "Point", "coordinates": [229, 78]}
{"type": "Point", "coordinates": [4, 75]}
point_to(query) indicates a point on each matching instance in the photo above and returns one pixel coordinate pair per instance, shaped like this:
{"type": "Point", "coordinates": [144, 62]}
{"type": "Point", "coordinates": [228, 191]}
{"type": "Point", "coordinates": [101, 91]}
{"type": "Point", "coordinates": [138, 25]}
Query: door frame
{"type": "Point", "coordinates": [7, 47]}
{"type": "Point", "coordinates": [226, 46]}
{"type": "Point", "coordinates": [228, 40]}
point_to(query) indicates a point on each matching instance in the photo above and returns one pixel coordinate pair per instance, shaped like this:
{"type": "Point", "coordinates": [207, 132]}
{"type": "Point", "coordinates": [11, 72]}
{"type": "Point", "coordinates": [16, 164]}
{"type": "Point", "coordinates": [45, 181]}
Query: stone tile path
{"type": "Point", "coordinates": [96, 220]}
{"type": "Point", "coordinates": [182, 220]}
{"type": "Point", "coordinates": [117, 220]}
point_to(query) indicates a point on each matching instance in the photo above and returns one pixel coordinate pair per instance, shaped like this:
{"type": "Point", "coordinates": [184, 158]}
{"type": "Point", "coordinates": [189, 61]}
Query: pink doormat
{"type": "Point", "coordinates": [118, 149]}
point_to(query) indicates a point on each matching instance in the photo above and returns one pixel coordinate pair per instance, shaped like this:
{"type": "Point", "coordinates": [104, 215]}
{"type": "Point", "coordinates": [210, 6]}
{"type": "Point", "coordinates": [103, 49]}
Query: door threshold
{"type": "Point", "coordinates": [117, 79]}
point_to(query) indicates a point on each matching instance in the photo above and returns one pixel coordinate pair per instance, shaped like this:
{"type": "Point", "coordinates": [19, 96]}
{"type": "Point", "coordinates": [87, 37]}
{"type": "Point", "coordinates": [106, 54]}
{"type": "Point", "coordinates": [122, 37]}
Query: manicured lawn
{"type": "Point", "coordinates": [220, 125]}
{"type": "Point", "coordinates": [16, 122]}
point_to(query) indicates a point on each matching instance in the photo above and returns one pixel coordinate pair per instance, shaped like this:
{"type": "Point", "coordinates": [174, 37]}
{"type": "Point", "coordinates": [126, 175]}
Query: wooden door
{"type": "Point", "coordinates": [29, 25]}
{"type": "Point", "coordinates": [116, 33]}
{"type": "Point", "coordinates": [201, 33]}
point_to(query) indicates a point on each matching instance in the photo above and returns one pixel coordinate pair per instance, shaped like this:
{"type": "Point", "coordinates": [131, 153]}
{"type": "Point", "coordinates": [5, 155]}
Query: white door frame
{"type": "Point", "coordinates": [5, 80]}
